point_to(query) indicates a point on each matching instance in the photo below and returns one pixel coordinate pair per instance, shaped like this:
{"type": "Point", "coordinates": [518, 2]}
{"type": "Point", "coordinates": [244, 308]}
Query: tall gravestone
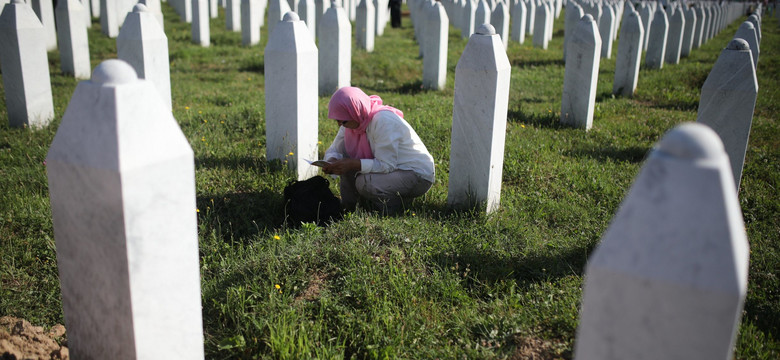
{"type": "Point", "coordinates": [728, 98]}
{"type": "Point", "coordinates": [518, 21]}
{"type": "Point", "coordinates": [72, 37]}
{"type": "Point", "coordinates": [530, 20]}
{"type": "Point", "coordinates": [435, 60]}
{"type": "Point", "coordinates": [646, 13]}
{"type": "Point", "coordinates": [689, 30]}
{"type": "Point", "coordinates": [109, 22]}
{"type": "Point", "coordinates": [674, 37]}
{"type": "Point", "coordinates": [701, 24]}
{"type": "Point", "coordinates": [25, 67]}
{"type": "Point", "coordinates": [155, 7]}
{"type": "Point", "coordinates": [291, 96]}
{"type": "Point", "coordinates": [95, 6]}
{"type": "Point", "coordinates": [365, 26]}
{"type": "Point", "coordinates": [500, 21]}
{"type": "Point", "coordinates": [122, 188]}
{"type": "Point", "coordinates": [606, 29]}
{"type": "Point", "coordinates": [753, 18]}
{"type": "Point", "coordinates": [747, 32]}
{"type": "Point", "coordinates": [382, 13]}
{"type": "Point", "coordinates": [541, 30]}
{"type": "Point", "coordinates": [581, 75]}
{"type": "Point", "coordinates": [276, 10]}
{"type": "Point", "coordinates": [201, 30]}
{"type": "Point", "coordinates": [469, 13]}
{"type": "Point", "coordinates": [656, 49]}
{"type": "Point", "coordinates": [574, 13]}
{"type": "Point", "coordinates": [44, 9]}
{"type": "Point", "coordinates": [669, 278]}
{"type": "Point", "coordinates": [307, 13]}
{"type": "Point", "coordinates": [233, 15]}
{"type": "Point", "coordinates": [479, 122]}
{"type": "Point", "coordinates": [482, 13]}
{"type": "Point", "coordinates": [335, 55]}
{"type": "Point", "coordinates": [629, 55]}
{"type": "Point", "coordinates": [250, 22]}
{"type": "Point", "coordinates": [142, 44]}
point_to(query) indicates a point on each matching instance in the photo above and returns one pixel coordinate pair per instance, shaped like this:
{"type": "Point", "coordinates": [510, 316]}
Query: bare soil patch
{"type": "Point", "coordinates": [21, 340]}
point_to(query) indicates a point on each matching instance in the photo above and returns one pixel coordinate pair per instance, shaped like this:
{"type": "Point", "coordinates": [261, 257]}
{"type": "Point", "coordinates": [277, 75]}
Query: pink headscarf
{"type": "Point", "coordinates": [351, 103]}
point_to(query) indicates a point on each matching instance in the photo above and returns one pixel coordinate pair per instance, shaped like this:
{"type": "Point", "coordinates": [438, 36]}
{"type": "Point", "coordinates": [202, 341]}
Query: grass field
{"type": "Point", "coordinates": [432, 283]}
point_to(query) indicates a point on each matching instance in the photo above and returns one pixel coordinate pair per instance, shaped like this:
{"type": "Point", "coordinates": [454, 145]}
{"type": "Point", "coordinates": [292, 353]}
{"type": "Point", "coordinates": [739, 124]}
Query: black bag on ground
{"type": "Point", "coordinates": [311, 201]}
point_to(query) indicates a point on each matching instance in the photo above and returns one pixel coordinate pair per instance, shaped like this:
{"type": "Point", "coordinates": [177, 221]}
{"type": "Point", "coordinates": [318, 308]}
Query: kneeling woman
{"type": "Point", "coordinates": [378, 155]}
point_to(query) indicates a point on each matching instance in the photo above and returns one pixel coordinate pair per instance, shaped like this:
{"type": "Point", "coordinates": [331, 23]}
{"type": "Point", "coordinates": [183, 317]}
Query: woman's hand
{"type": "Point", "coordinates": [340, 167]}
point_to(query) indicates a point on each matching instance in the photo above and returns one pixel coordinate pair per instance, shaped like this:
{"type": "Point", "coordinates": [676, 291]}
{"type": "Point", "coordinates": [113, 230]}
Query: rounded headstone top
{"type": "Point", "coordinates": [114, 72]}
{"type": "Point", "coordinates": [738, 44]}
{"type": "Point", "coordinates": [691, 141]}
{"type": "Point", "coordinates": [140, 8]}
{"type": "Point", "coordinates": [747, 24]}
{"type": "Point", "coordinates": [587, 18]}
{"type": "Point", "coordinates": [753, 16]}
{"type": "Point", "coordinates": [486, 29]}
{"type": "Point", "coordinates": [290, 16]}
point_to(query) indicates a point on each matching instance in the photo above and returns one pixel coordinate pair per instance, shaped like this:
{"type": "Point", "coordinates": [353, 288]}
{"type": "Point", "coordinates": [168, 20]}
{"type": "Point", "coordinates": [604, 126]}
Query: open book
{"type": "Point", "coordinates": [319, 163]}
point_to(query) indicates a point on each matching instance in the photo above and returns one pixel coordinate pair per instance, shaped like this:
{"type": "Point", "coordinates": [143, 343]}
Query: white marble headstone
{"type": "Point", "coordinates": [701, 24]}
{"type": "Point", "coordinates": [747, 32]}
{"type": "Point", "coordinates": [44, 9]}
{"type": "Point", "coordinates": [646, 13]}
{"type": "Point", "coordinates": [479, 115]}
{"type": "Point", "coordinates": [500, 21]}
{"type": "Point", "coordinates": [574, 13]}
{"type": "Point", "coordinates": [122, 188]}
{"type": "Point", "coordinates": [233, 15]}
{"type": "Point", "coordinates": [250, 22]}
{"type": "Point", "coordinates": [291, 96]}
{"type": "Point", "coordinates": [669, 278]}
{"type": "Point", "coordinates": [25, 67]}
{"type": "Point", "coordinates": [365, 26]}
{"type": "Point", "coordinates": [674, 38]}
{"type": "Point", "coordinates": [629, 55]}
{"type": "Point", "coordinates": [72, 38]}
{"type": "Point", "coordinates": [201, 30]}
{"type": "Point", "coordinates": [581, 75]}
{"type": "Point", "coordinates": [531, 17]}
{"type": "Point", "coordinates": [518, 21]}
{"type": "Point", "coordinates": [753, 18]}
{"type": "Point", "coordinates": [307, 11]}
{"type": "Point", "coordinates": [155, 7]}
{"type": "Point", "coordinates": [606, 30]}
{"type": "Point", "coordinates": [541, 27]}
{"type": "Point", "coordinates": [688, 35]}
{"type": "Point", "coordinates": [142, 44]}
{"type": "Point", "coordinates": [335, 55]}
{"type": "Point", "coordinates": [469, 15]}
{"type": "Point", "coordinates": [656, 49]}
{"type": "Point", "coordinates": [109, 21]}
{"type": "Point", "coordinates": [276, 10]}
{"type": "Point", "coordinates": [728, 98]}
{"type": "Point", "coordinates": [435, 60]}
{"type": "Point", "coordinates": [481, 13]}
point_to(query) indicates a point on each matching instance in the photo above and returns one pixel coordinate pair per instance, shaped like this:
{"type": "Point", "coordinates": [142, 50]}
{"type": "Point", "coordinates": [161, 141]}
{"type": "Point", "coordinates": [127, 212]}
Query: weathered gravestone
{"type": "Point", "coordinates": [435, 60]}
{"type": "Point", "coordinates": [25, 67]}
{"type": "Point", "coordinates": [109, 23]}
{"type": "Point", "coordinates": [233, 15]}
{"type": "Point", "coordinates": [656, 49]}
{"type": "Point", "coordinates": [606, 30]}
{"type": "Point", "coordinates": [72, 37]}
{"type": "Point", "coordinates": [518, 21]}
{"type": "Point", "coordinates": [479, 122]}
{"type": "Point", "coordinates": [674, 37]}
{"type": "Point", "coordinates": [629, 55]}
{"type": "Point", "coordinates": [291, 96]}
{"type": "Point", "coordinates": [201, 30]}
{"type": "Point", "coordinates": [276, 10]}
{"type": "Point", "coordinates": [542, 28]}
{"type": "Point", "coordinates": [574, 13]}
{"type": "Point", "coordinates": [365, 26]}
{"type": "Point", "coordinates": [500, 21]}
{"type": "Point", "coordinates": [307, 13]}
{"type": "Point", "coordinates": [747, 32]}
{"type": "Point", "coordinates": [44, 9]}
{"type": "Point", "coordinates": [250, 22]}
{"type": "Point", "coordinates": [728, 98]}
{"type": "Point", "coordinates": [581, 75]}
{"type": "Point", "coordinates": [335, 55]}
{"type": "Point", "coordinates": [142, 44]}
{"type": "Point", "coordinates": [669, 277]}
{"type": "Point", "coordinates": [122, 188]}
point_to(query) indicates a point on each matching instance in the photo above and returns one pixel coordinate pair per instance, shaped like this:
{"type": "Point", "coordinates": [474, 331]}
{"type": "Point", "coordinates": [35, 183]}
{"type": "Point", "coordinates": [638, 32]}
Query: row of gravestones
{"type": "Point", "coordinates": [127, 296]}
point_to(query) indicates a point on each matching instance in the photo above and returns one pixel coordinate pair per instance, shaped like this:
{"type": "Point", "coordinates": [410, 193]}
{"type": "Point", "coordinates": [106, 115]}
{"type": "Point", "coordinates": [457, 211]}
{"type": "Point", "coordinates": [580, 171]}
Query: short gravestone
{"type": "Point", "coordinates": [122, 188]}
{"type": "Point", "coordinates": [335, 55]}
{"type": "Point", "coordinates": [500, 21]}
{"type": "Point", "coordinates": [573, 15]}
{"type": "Point", "coordinates": [479, 122]}
{"type": "Point", "coordinates": [629, 55]}
{"type": "Point", "coordinates": [747, 32]}
{"type": "Point", "coordinates": [25, 67]}
{"type": "Point", "coordinates": [142, 44]}
{"type": "Point", "coordinates": [581, 75]}
{"type": "Point", "coordinates": [72, 37]}
{"type": "Point", "coordinates": [250, 22]}
{"type": "Point", "coordinates": [291, 96]}
{"type": "Point", "coordinates": [701, 23]}
{"type": "Point", "coordinates": [435, 60]}
{"type": "Point", "coordinates": [656, 49]}
{"type": "Point", "coordinates": [365, 26]}
{"type": "Point", "coordinates": [674, 37]}
{"type": "Point", "coordinates": [469, 14]}
{"type": "Point", "coordinates": [669, 277]}
{"type": "Point", "coordinates": [276, 9]}
{"type": "Point", "coordinates": [541, 30]}
{"type": "Point", "coordinates": [518, 21]}
{"type": "Point", "coordinates": [688, 36]}
{"type": "Point", "coordinates": [606, 29]}
{"type": "Point", "coordinates": [109, 21]}
{"type": "Point", "coordinates": [233, 15]}
{"type": "Point", "coordinates": [728, 98]}
{"type": "Point", "coordinates": [201, 31]}
{"type": "Point", "coordinates": [307, 13]}
{"type": "Point", "coordinates": [44, 9]}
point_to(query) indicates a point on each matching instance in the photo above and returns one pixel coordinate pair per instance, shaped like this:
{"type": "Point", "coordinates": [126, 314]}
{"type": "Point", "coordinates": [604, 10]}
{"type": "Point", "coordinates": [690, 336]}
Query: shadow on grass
{"type": "Point", "coordinates": [253, 66]}
{"type": "Point", "coordinates": [632, 154]}
{"type": "Point", "coordinates": [241, 215]}
{"type": "Point", "coordinates": [526, 64]}
{"type": "Point", "coordinates": [236, 162]}
{"type": "Point", "coordinates": [549, 120]}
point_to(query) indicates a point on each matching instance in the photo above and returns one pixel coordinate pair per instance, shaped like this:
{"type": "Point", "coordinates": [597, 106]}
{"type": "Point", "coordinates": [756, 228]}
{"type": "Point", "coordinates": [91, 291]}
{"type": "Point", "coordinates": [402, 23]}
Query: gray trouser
{"type": "Point", "coordinates": [388, 193]}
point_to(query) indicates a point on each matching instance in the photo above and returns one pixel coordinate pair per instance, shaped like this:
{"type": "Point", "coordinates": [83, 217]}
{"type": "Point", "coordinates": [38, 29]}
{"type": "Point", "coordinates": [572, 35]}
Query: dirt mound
{"type": "Point", "coordinates": [20, 340]}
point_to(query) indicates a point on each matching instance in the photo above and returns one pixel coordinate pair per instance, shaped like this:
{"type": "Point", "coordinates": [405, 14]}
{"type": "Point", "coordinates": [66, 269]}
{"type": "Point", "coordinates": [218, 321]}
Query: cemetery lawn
{"type": "Point", "coordinates": [431, 283]}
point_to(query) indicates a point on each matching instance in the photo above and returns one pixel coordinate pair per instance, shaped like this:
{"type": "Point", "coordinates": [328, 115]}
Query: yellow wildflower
{"type": "Point", "coordinates": [186, 108]}
{"type": "Point", "coordinates": [277, 286]}
{"type": "Point", "coordinates": [276, 237]}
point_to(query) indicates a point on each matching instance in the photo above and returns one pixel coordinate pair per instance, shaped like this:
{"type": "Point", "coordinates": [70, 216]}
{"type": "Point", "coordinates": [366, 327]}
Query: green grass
{"type": "Point", "coordinates": [431, 283]}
